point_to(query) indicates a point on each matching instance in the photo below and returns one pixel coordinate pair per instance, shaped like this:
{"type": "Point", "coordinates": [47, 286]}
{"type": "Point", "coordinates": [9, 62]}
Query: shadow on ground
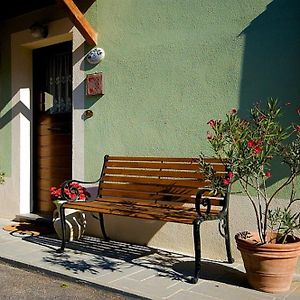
{"type": "Point", "coordinates": [214, 271]}
{"type": "Point", "coordinates": [94, 255]}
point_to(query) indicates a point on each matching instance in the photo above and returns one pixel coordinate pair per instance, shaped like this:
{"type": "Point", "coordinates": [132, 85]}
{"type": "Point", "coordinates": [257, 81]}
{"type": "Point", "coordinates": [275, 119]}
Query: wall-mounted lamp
{"type": "Point", "coordinates": [38, 30]}
{"type": "Point", "coordinates": [95, 56]}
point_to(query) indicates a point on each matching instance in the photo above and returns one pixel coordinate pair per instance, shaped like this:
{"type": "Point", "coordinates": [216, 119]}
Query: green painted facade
{"type": "Point", "coordinates": [170, 66]}
{"type": "Point", "coordinates": [6, 112]}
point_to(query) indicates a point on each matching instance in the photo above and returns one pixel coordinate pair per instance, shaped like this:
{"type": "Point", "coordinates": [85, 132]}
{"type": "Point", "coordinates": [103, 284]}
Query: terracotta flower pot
{"type": "Point", "coordinates": [269, 267]}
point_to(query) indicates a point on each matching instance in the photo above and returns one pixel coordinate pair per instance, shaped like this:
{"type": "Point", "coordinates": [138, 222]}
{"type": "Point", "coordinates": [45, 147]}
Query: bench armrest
{"type": "Point", "coordinates": [205, 201]}
{"type": "Point", "coordinates": [71, 190]}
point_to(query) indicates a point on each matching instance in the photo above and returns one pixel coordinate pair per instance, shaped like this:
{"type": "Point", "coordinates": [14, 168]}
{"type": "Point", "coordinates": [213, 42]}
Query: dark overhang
{"type": "Point", "coordinates": [74, 9]}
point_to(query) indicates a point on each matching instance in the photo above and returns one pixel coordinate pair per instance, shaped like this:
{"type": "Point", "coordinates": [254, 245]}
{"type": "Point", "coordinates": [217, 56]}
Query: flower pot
{"type": "Point", "coordinates": [269, 267]}
{"type": "Point", "coordinates": [75, 224]}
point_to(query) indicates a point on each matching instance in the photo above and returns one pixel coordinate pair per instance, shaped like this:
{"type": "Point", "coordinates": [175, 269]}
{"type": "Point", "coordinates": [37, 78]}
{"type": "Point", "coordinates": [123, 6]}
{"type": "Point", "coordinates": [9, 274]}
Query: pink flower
{"type": "Point", "coordinates": [233, 111]}
{"type": "Point", "coordinates": [209, 136]}
{"type": "Point", "coordinates": [268, 173]}
{"type": "Point", "coordinates": [212, 123]}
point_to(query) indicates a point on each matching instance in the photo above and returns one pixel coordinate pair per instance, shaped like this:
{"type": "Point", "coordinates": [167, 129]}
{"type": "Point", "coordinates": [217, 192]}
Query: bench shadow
{"type": "Point", "coordinates": [214, 271]}
{"type": "Point", "coordinates": [94, 255]}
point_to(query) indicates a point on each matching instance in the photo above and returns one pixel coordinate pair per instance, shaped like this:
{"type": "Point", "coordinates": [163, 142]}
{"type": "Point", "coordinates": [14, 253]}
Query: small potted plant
{"type": "Point", "coordinates": [251, 149]}
{"type": "Point", "coordinates": [75, 219]}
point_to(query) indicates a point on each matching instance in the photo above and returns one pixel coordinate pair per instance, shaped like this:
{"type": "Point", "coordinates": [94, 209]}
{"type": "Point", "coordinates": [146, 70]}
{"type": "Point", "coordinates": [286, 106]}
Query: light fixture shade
{"type": "Point", "coordinates": [39, 31]}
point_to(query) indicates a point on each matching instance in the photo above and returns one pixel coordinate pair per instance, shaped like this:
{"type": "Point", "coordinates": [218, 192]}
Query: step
{"type": "Point", "coordinates": [34, 218]}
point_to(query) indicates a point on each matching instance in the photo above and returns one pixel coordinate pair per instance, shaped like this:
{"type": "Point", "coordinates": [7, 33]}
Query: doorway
{"type": "Point", "coordinates": [52, 122]}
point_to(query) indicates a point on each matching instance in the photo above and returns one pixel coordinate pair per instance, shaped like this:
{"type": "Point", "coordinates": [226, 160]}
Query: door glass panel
{"type": "Point", "coordinates": [58, 90]}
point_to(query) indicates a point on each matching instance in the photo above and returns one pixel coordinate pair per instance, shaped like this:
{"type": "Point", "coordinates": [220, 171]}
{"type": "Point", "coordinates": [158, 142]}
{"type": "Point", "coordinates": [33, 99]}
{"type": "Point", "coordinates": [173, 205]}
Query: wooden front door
{"type": "Point", "coordinates": [52, 122]}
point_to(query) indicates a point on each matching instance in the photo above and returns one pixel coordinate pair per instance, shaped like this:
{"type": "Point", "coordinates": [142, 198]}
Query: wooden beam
{"type": "Point", "coordinates": [79, 20]}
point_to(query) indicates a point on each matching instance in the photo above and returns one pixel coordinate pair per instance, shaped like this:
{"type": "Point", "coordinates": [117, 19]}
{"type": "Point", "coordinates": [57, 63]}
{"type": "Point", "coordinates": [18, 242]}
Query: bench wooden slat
{"type": "Point", "coordinates": [154, 173]}
{"type": "Point", "coordinates": [211, 160]}
{"type": "Point", "coordinates": [154, 158]}
{"type": "Point", "coordinates": [148, 188]}
{"type": "Point", "coordinates": [143, 202]}
{"type": "Point", "coordinates": [171, 203]}
{"type": "Point", "coordinates": [157, 181]}
{"type": "Point", "coordinates": [149, 195]}
{"type": "Point", "coordinates": [160, 166]}
{"type": "Point", "coordinates": [152, 165]}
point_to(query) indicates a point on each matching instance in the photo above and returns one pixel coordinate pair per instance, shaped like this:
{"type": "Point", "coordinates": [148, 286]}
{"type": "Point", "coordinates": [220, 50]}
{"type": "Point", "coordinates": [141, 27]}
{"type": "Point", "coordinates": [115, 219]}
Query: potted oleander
{"type": "Point", "coordinates": [251, 150]}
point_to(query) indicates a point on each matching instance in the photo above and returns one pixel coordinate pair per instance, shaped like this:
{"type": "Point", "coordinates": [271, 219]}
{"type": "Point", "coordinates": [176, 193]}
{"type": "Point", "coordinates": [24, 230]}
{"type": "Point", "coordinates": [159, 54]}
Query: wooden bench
{"type": "Point", "coordinates": [167, 189]}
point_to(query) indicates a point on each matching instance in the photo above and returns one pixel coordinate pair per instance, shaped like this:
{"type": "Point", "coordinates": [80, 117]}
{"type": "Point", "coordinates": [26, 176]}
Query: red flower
{"type": "Point", "coordinates": [297, 128]}
{"type": "Point", "coordinates": [230, 174]}
{"type": "Point", "coordinates": [251, 144]}
{"type": "Point", "coordinates": [262, 117]}
{"type": "Point", "coordinates": [81, 197]}
{"type": "Point", "coordinates": [268, 173]}
{"type": "Point", "coordinates": [226, 181]}
{"type": "Point", "coordinates": [257, 150]}
{"type": "Point", "coordinates": [75, 191]}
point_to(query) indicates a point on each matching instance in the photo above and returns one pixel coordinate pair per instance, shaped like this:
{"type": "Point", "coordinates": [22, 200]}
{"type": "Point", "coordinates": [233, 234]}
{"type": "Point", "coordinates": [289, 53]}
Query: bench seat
{"type": "Point", "coordinates": [180, 213]}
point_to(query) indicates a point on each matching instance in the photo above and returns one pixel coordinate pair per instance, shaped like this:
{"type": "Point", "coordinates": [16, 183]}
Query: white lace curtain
{"type": "Point", "coordinates": [59, 83]}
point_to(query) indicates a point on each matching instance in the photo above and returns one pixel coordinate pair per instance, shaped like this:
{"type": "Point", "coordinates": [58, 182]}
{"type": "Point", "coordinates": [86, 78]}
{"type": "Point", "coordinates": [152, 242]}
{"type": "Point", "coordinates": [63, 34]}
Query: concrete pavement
{"type": "Point", "coordinates": [134, 269]}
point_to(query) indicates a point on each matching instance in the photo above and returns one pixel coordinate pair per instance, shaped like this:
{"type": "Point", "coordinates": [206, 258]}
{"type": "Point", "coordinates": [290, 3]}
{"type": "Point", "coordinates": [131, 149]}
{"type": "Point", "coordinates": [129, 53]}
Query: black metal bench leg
{"type": "Point", "coordinates": [227, 240]}
{"type": "Point", "coordinates": [101, 219]}
{"type": "Point", "coordinates": [197, 248]}
{"type": "Point", "coordinates": [63, 229]}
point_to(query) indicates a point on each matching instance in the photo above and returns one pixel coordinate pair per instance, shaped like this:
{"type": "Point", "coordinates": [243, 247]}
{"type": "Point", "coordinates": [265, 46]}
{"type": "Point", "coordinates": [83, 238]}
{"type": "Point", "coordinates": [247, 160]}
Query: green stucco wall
{"type": "Point", "coordinates": [170, 66]}
{"type": "Point", "coordinates": [6, 113]}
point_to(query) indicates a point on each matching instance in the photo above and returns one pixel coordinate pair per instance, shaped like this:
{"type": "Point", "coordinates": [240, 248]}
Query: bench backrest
{"type": "Point", "coordinates": [165, 180]}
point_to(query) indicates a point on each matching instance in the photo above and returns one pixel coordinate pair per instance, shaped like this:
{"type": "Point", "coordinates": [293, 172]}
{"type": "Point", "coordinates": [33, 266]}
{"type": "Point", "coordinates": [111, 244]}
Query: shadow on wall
{"type": "Point", "coordinates": [271, 62]}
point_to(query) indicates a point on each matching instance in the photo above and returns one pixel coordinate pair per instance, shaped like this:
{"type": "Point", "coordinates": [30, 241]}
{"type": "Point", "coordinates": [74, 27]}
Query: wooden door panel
{"type": "Point", "coordinates": [54, 158]}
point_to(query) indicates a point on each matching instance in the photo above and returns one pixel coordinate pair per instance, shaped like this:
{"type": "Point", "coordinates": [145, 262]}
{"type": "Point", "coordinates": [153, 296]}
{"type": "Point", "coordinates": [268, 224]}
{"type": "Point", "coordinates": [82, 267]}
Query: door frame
{"type": "Point", "coordinates": [41, 58]}
{"type": "Point", "coordinates": [22, 44]}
